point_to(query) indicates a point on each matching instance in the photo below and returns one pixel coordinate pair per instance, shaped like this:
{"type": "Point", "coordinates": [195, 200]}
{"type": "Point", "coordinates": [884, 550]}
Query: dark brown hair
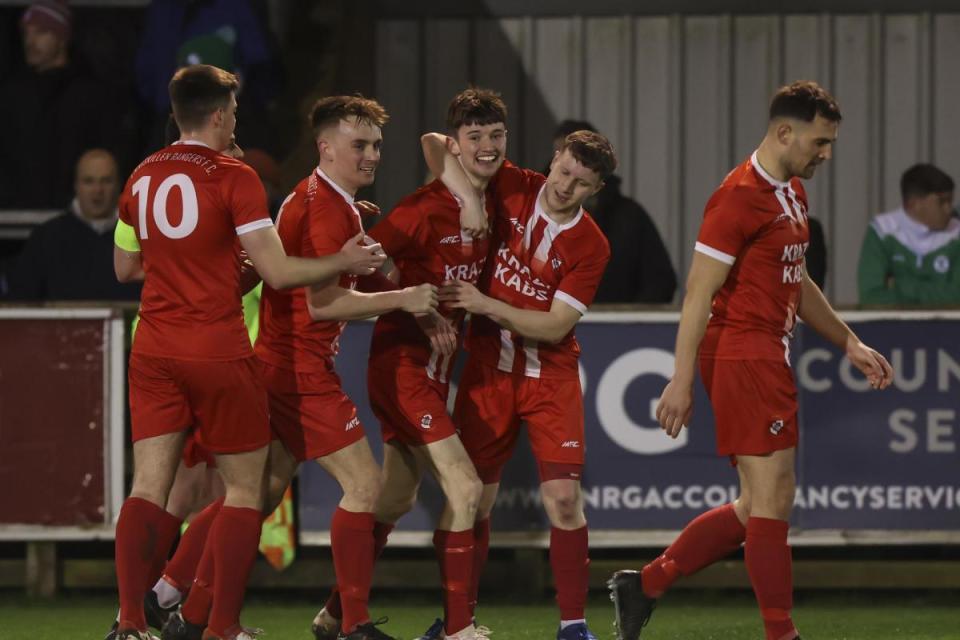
{"type": "Point", "coordinates": [475, 106]}
{"type": "Point", "coordinates": [197, 91]}
{"type": "Point", "coordinates": [592, 150]}
{"type": "Point", "coordinates": [921, 180]}
{"type": "Point", "coordinates": [331, 109]}
{"type": "Point", "coordinates": [804, 100]}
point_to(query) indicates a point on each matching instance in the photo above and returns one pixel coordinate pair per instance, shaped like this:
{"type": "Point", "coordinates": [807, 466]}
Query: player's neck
{"type": "Point", "coordinates": [560, 218]}
{"type": "Point", "coordinates": [339, 181]}
{"type": "Point", "coordinates": [770, 162]}
{"type": "Point", "coordinates": [207, 138]}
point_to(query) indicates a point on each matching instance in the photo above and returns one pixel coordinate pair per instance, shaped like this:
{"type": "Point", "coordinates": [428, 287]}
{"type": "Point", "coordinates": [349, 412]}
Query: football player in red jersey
{"type": "Point", "coordinates": [311, 417]}
{"type": "Point", "coordinates": [547, 258]}
{"type": "Point", "coordinates": [409, 378]}
{"type": "Point", "coordinates": [746, 287]}
{"type": "Point", "coordinates": [184, 215]}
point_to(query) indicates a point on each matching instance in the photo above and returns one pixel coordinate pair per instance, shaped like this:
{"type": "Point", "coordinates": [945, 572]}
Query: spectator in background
{"type": "Point", "coordinates": [71, 256]}
{"type": "Point", "coordinates": [224, 33]}
{"type": "Point", "coordinates": [52, 113]}
{"type": "Point", "coordinates": [640, 270]}
{"type": "Point", "coordinates": [911, 256]}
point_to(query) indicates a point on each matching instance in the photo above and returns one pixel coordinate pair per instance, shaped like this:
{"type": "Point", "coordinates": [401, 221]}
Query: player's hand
{"type": "Point", "coordinates": [874, 366]}
{"type": "Point", "coordinates": [420, 299]}
{"type": "Point", "coordinates": [234, 150]}
{"type": "Point", "coordinates": [360, 258]}
{"type": "Point", "coordinates": [459, 294]}
{"type": "Point", "coordinates": [675, 407]}
{"type": "Point", "coordinates": [473, 218]}
{"type": "Point", "coordinates": [440, 331]}
{"type": "Point", "coordinates": [367, 208]}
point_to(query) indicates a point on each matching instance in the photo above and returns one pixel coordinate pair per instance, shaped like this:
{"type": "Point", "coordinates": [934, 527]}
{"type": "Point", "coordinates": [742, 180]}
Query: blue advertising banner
{"type": "Point", "coordinates": [867, 461]}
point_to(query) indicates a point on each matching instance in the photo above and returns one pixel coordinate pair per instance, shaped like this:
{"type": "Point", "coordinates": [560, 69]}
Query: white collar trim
{"type": "Point", "coordinates": [196, 142]}
{"type": "Point", "coordinates": [766, 176]}
{"type": "Point", "coordinates": [346, 196]}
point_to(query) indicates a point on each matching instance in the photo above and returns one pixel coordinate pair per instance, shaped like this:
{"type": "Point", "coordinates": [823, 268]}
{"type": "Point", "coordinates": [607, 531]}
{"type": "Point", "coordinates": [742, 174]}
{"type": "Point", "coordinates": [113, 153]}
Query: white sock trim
{"type": "Point", "coordinates": [569, 623]}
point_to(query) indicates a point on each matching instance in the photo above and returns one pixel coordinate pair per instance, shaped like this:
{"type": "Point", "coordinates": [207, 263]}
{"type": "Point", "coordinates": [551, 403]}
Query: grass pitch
{"type": "Point", "coordinates": [680, 616]}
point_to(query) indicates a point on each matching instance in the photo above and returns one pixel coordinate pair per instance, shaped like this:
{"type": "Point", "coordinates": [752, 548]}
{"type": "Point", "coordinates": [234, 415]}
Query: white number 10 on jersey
{"type": "Point", "coordinates": [188, 195]}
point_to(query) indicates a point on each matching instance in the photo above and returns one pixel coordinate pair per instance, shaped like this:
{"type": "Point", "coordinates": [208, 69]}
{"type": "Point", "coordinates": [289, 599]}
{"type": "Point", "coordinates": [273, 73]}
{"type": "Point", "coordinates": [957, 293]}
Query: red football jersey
{"type": "Point", "coordinates": [534, 260]}
{"type": "Point", "coordinates": [758, 225]}
{"type": "Point", "coordinates": [422, 236]}
{"type": "Point", "coordinates": [315, 220]}
{"type": "Point", "coordinates": [188, 204]}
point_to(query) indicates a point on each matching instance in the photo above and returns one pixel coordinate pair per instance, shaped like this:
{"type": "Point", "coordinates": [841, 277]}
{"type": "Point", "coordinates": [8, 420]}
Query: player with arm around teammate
{"type": "Point", "coordinates": [184, 214]}
{"type": "Point", "coordinates": [547, 258]}
{"type": "Point", "coordinates": [746, 287]}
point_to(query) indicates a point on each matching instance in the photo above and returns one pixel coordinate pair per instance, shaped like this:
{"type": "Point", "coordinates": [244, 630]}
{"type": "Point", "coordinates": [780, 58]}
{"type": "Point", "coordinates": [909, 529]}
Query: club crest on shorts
{"type": "Point", "coordinates": [776, 426]}
{"type": "Point", "coordinates": [426, 420]}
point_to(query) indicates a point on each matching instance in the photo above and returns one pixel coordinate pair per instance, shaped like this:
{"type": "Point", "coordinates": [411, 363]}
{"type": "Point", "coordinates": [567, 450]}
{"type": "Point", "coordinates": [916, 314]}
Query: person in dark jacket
{"type": "Point", "coordinates": [70, 257]}
{"type": "Point", "coordinates": [640, 270]}
{"type": "Point", "coordinates": [53, 112]}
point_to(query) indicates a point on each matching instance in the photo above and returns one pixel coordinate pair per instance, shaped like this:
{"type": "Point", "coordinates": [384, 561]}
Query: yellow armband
{"type": "Point", "coordinates": [126, 238]}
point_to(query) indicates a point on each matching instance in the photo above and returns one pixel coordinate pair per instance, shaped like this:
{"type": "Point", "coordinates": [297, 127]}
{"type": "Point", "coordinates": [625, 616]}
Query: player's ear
{"type": "Point", "coordinates": [596, 189]}
{"type": "Point", "coordinates": [784, 132]}
{"type": "Point", "coordinates": [553, 160]}
{"type": "Point", "coordinates": [453, 146]}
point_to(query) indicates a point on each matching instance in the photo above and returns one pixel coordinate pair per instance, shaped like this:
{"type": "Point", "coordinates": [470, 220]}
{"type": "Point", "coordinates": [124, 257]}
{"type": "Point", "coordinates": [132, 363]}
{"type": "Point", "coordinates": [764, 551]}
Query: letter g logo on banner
{"type": "Point", "coordinates": [612, 411]}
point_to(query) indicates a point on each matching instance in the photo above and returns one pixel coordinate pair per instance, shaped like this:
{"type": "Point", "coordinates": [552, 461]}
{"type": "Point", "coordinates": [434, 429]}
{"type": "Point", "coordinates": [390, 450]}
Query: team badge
{"type": "Point", "coordinates": [425, 421]}
{"type": "Point", "coordinates": [941, 264]}
{"type": "Point", "coordinates": [776, 426]}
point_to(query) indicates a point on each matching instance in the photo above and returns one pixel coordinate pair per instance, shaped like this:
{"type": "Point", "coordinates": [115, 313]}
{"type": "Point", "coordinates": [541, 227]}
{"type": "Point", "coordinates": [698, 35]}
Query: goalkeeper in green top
{"type": "Point", "coordinates": [911, 256]}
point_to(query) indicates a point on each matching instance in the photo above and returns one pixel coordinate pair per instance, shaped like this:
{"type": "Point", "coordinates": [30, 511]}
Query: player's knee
{"type": "Point", "coordinates": [563, 503]}
{"type": "Point", "coordinates": [464, 494]}
{"type": "Point", "coordinates": [394, 506]}
{"type": "Point", "coordinates": [364, 491]}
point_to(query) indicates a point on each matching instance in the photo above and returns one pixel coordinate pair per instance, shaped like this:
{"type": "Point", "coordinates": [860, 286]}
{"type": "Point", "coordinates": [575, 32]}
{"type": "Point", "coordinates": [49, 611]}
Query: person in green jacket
{"type": "Point", "coordinates": [911, 256]}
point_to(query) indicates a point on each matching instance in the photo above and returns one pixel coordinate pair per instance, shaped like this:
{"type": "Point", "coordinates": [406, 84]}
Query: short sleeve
{"type": "Point", "coordinates": [723, 234]}
{"type": "Point", "coordinates": [579, 286]}
{"type": "Point", "coordinates": [125, 237]}
{"type": "Point", "coordinates": [397, 231]}
{"type": "Point", "coordinates": [326, 229]}
{"type": "Point", "coordinates": [511, 180]}
{"type": "Point", "coordinates": [247, 201]}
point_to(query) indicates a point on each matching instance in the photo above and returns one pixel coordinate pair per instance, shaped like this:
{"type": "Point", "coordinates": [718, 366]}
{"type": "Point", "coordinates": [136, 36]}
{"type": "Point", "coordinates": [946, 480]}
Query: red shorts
{"type": "Point", "coordinates": [309, 412]}
{"type": "Point", "coordinates": [194, 453]}
{"type": "Point", "coordinates": [223, 401]}
{"type": "Point", "coordinates": [490, 406]}
{"type": "Point", "coordinates": [754, 405]}
{"type": "Point", "coordinates": [411, 408]}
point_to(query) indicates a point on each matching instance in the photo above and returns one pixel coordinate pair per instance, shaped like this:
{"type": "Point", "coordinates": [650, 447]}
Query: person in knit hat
{"type": "Point", "coordinates": [59, 110]}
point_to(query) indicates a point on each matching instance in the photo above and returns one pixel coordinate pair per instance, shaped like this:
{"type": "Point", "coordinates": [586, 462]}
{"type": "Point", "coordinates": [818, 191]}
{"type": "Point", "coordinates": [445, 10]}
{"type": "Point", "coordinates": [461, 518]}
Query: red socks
{"type": "Point", "coordinates": [770, 568]}
{"type": "Point", "coordinates": [709, 537]}
{"type": "Point", "coordinates": [234, 537]}
{"type": "Point", "coordinates": [481, 549]}
{"type": "Point", "coordinates": [144, 535]}
{"type": "Point", "coordinates": [381, 531]}
{"type": "Point", "coordinates": [571, 570]}
{"type": "Point", "coordinates": [351, 540]}
{"type": "Point", "coordinates": [182, 567]}
{"type": "Point", "coordinates": [455, 552]}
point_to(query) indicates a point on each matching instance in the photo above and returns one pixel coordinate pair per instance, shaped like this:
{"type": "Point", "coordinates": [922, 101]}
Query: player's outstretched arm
{"type": "Point", "coordinates": [331, 302]}
{"type": "Point", "coordinates": [543, 326]}
{"type": "Point", "coordinates": [281, 271]}
{"type": "Point", "coordinates": [817, 312]}
{"type": "Point", "coordinates": [444, 164]}
{"type": "Point", "coordinates": [706, 277]}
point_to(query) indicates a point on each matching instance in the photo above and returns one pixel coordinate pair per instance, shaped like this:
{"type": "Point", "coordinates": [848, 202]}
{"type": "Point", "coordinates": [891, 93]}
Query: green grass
{"type": "Point", "coordinates": [681, 616]}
